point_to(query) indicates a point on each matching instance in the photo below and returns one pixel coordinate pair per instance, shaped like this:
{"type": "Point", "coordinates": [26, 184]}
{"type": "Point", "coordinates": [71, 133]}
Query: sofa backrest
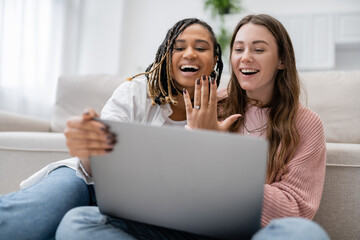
{"type": "Point", "coordinates": [76, 93]}
{"type": "Point", "coordinates": [334, 95]}
{"type": "Point", "coordinates": [331, 94]}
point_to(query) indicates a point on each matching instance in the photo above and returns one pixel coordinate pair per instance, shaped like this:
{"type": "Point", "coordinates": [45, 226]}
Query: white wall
{"type": "Point", "coordinates": [100, 37]}
{"type": "Point", "coordinates": [145, 26]}
{"type": "Point", "coordinates": [146, 23]}
{"type": "Point", "coordinates": [347, 57]}
{"type": "Point", "coordinates": [122, 36]}
{"type": "Point", "coordinates": [300, 7]}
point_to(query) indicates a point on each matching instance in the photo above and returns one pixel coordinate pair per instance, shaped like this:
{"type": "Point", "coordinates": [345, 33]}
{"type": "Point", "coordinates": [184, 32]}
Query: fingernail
{"type": "Point", "coordinates": [86, 113]}
{"type": "Point", "coordinates": [212, 80]}
{"type": "Point", "coordinates": [198, 81]}
{"type": "Point", "coordinates": [111, 142]}
{"type": "Point", "coordinates": [110, 136]}
{"type": "Point", "coordinates": [184, 91]}
{"type": "Point", "coordinates": [203, 77]}
{"type": "Point", "coordinates": [108, 149]}
{"type": "Point", "coordinates": [105, 129]}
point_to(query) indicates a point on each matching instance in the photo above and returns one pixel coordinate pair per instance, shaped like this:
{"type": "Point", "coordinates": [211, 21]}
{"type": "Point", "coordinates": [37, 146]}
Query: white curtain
{"type": "Point", "coordinates": [31, 52]}
{"type": "Point", "coordinates": [43, 39]}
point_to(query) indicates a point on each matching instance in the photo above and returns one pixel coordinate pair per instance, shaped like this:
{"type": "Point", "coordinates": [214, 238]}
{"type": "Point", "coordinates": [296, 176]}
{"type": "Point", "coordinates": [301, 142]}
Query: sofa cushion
{"type": "Point", "coordinates": [339, 211]}
{"type": "Point", "coordinates": [76, 93]}
{"type": "Point", "coordinates": [33, 141]}
{"type": "Point", "coordinates": [334, 95]}
{"type": "Point", "coordinates": [16, 122]}
{"type": "Point", "coordinates": [23, 153]}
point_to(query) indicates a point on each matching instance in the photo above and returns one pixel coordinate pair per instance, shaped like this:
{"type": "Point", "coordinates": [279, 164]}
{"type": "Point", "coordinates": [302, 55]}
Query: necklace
{"type": "Point", "coordinates": [260, 129]}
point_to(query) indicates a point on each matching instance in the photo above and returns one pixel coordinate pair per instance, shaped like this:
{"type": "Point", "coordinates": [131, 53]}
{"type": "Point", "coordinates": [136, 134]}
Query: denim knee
{"type": "Point", "coordinates": [35, 212]}
{"type": "Point", "coordinates": [292, 228]}
{"type": "Point", "coordinates": [79, 218]}
{"type": "Point", "coordinates": [88, 223]}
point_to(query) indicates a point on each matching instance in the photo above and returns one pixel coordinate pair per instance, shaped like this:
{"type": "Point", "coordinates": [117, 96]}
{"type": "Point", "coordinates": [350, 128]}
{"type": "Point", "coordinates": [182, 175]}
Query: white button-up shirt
{"type": "Point", "coordinates": [130, 102]}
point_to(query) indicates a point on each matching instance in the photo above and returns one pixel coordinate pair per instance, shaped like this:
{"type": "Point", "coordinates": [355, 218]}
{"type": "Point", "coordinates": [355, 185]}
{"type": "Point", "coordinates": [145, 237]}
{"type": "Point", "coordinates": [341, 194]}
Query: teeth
{"type": "Point", "coordinates": [248, 71]}
{"type": "Point", "coordinates": [189, 66]}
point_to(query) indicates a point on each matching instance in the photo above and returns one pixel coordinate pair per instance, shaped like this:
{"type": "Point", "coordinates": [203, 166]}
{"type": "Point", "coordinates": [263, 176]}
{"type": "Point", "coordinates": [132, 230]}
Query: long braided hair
{"type": "Point", "coordinates": [282, 133]}
{"type": "Point", "coordinates": [162, 88]}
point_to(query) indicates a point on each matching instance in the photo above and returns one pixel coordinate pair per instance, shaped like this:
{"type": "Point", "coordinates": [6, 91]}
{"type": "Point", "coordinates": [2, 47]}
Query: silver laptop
{"type": "Point", "coordinates": [203, 182]}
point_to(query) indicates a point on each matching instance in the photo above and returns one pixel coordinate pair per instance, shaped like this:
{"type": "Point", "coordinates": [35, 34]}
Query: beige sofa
{"type": "Point", "coordinates": [28, 144]}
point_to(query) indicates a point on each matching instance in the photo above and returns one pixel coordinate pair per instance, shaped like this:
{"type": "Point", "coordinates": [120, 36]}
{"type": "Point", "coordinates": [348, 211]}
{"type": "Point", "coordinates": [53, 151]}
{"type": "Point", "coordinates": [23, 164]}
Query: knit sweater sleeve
{"type": "Point", "coordinates": [297, 191]}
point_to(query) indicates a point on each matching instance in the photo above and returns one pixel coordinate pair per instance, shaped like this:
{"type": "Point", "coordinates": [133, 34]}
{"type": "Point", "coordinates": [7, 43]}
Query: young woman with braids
{"type": "Point", "coordinates": [264, 90]}
{"type": "Point", "coordinates": [189, 50]}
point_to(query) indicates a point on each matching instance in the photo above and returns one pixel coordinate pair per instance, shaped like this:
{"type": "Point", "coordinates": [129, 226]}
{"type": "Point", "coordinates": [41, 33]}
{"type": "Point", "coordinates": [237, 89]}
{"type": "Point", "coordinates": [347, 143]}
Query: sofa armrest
{"type": "Point", "coordinates": [343, 154]}
{"type": "Point", "coordinates": [339, 211]}
{"type": "Point", "coordinates": [24, 153]}
{"type": "Point", "coordinates": [16, 122]}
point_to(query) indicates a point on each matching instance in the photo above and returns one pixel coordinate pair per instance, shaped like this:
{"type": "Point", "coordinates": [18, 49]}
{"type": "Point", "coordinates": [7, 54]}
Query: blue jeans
{"type": "Point", "coordinates": [35, 212]}
{"type": "Point", "coordinates": [89, 223]}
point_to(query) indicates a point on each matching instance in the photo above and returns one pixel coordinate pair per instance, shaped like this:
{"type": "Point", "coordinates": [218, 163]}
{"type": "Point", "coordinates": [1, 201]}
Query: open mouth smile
{"type": "Point", "coordinates": [189, 68]}
{"type": "Point", "coordinates": [249, 71]}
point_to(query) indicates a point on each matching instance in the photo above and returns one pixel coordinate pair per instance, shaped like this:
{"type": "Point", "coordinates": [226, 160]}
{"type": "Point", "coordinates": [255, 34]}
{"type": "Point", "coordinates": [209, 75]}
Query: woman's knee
{"type": "Point", "coordinates": [83, 215]}
{"type": "Point", "coordinates": [38, 209]}
{"type": "Point", "coordinates": [73, 189]}
{"type": "Point", "coordinates": [292, 228]}
{"type": "Point", "coordinates": [79, 218]}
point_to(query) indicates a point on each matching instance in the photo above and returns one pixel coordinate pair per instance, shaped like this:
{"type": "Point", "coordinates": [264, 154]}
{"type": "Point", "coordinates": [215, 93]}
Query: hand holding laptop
{"type": "Point", "coordinates": [86, 136]}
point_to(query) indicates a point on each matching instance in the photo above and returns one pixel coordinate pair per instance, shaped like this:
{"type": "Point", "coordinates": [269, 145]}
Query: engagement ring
{"type": "Point", "coordinates": [197, 107]}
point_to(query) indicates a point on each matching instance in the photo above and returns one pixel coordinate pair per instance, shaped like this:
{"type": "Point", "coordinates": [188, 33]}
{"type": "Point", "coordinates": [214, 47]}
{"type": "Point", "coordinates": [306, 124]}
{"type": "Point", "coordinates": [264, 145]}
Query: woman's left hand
{"type": "Point", "coordinates": [204, 113]}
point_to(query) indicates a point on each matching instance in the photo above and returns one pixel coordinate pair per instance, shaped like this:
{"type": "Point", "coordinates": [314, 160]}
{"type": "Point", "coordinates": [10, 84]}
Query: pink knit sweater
{"type": "Point", "coordinates": [297, 191]}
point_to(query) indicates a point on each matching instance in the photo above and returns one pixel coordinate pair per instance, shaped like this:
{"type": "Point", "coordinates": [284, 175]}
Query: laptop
{"type": "Point", "coordinates": [204, 182]}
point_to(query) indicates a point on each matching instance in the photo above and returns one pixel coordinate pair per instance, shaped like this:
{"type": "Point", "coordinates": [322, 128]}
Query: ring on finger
{"type": "Point", "coordinates": [197, 107]}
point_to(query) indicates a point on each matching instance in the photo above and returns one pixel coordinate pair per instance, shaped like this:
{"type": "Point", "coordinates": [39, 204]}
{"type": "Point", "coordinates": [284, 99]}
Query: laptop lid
{"type": "Point", "coordinates": [203, 182]}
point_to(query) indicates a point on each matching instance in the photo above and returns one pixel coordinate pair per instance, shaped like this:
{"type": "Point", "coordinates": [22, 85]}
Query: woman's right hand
{"type": "Point", "coordinates": [87, 137]}
{"type": "Point", "coordinates": [204, 113]}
